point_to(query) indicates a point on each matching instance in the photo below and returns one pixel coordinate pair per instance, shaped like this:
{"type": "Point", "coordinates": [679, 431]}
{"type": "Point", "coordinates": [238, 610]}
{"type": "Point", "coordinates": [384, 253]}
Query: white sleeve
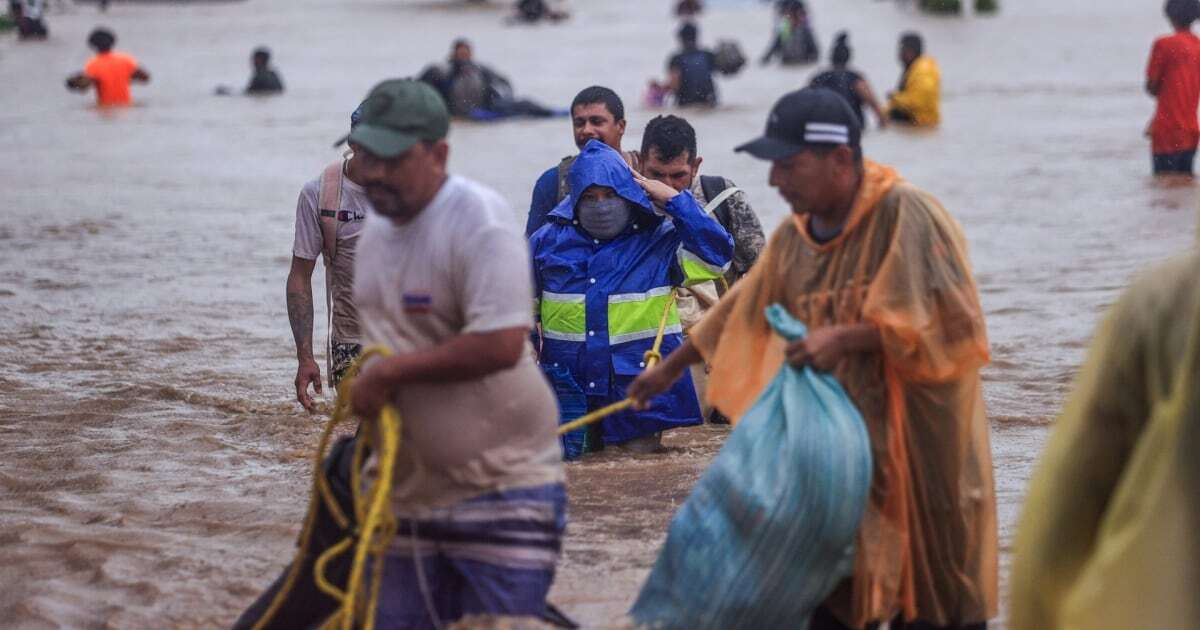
{"type": "Point", "coordinates": [309, 240]}
{"type": "Point", "coordinates": [496, 281]}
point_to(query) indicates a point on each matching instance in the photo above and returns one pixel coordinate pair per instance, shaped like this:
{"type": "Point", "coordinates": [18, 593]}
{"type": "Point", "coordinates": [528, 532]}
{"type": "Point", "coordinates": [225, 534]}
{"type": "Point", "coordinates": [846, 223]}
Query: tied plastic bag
{"type": "Point", "coordinates": [769, 529]}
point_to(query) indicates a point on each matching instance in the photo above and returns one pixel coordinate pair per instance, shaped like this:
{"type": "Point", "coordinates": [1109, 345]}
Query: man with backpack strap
{"type": "Point", "coordinates": [597, 113]}
{"type": "Point", "coordinates": [329, 217]}
{"type": "Point", "coordinates": [669, 155]}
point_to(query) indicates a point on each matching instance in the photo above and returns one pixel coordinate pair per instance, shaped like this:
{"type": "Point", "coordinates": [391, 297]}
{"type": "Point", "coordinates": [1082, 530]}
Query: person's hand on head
{"type": "Point", "coordinates": [658, 192]}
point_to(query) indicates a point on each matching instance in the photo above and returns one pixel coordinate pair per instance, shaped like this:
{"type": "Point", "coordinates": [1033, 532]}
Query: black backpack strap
{"type": "Point", "coordinates": [713, 186]}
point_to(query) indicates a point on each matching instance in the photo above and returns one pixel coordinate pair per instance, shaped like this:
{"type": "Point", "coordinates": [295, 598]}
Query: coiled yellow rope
{"type": "Point", "coordinates": [377, 523]}
{"type": "Point", "coordinates": [372, 508]}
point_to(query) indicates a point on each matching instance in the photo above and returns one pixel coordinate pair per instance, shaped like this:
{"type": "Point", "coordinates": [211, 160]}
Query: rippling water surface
{"type": "Point", "coordinates": [153, 466]}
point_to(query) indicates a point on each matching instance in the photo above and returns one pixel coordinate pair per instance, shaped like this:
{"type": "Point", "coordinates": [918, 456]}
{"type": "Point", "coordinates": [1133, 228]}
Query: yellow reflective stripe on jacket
{"type": "Point", "coordinates": [633, 316]}
{"type": "Point", "coordinates": [563, 316]}
{"type": "Point", "coordinates": [696, 270]}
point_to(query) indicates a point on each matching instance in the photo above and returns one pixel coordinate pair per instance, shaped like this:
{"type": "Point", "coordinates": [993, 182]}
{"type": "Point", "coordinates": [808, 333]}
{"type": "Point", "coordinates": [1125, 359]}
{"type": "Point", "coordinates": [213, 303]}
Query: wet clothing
{"type": "Point", "coordinates": [551, 188]}
{"type": "Point", "coordinates": [1167, 163]}
{"type": "Point", "coordinates": [350, 214]}
{"type": "Point", "coordinates": [918, 94]}
{"type": "Point", "coordinates": [927, 546]}
{"type": "Point", "coordinates": [824, 620]}
{"type": "Point", "coordinates": [264, 81]}
{"type": "Point", "coordinates": [600, 302]}
{"type": "Point", "coordinates": [112, 72]}
{"type": "Point", "coordinates": [843, 81]}
{"type": "Point", "coordinates": [739, 219]}
{"type": "Point", "coordinates": [793, 43]}
{"type": "Point", "coordinates": [491, 555]}
{"type": "Point", "coordinates": [1175, 67]}
{"type": "Point", "coordinates": [1108, 535]}
{"type": "Point", "coordinates": [458, 267]}
{"type": "Point", "coordinates": [696, 85]}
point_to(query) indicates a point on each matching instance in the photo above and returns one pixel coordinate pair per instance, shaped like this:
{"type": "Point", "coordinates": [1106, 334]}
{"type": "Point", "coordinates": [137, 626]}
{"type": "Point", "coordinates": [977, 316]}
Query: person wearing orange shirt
{"type": "Point", "coordinates": [110, 72]}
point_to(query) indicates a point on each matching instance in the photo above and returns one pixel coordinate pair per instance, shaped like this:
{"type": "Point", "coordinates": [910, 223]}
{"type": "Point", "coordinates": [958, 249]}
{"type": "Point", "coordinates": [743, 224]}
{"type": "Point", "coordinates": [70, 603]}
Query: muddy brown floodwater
{"type": "Point", "coordinates": [153, 466]}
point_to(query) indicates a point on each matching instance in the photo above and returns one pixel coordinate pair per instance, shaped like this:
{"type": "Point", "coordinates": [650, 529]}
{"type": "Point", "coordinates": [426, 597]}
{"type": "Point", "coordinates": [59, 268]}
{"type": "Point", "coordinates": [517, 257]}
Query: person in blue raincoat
{"type": "Point", "coordinates": [604, 267]}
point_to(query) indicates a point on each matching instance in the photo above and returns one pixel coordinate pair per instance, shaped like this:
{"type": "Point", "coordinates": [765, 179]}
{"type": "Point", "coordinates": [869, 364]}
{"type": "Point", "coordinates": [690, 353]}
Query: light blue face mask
{"type": "Point", "coordinates": [604, 218]}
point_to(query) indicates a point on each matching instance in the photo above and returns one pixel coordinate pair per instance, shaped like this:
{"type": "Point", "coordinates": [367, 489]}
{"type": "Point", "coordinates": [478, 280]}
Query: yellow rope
{"type": "Point", "coordinates": [652, 357]}
{"type": "Point", "coordinates": [377, 523]}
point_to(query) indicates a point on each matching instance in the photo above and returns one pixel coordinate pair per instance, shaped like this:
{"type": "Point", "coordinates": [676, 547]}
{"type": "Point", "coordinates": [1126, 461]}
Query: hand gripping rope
{"type": "Point", "coordinates": [652, 357]}
{"type": "Point", "coordinates": [371, 507]}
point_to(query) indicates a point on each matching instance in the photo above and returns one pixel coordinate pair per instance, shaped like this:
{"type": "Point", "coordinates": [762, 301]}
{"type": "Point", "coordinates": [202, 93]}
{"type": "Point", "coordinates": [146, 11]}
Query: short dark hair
{"type": "Point", "coordinates": [600, 94]}
{"type": "Point", "coordinates": [262, 52]}
{"type": "Point", "coordinates": [688, 33]}
{"type": "Point", "coordinates": [913, 42]}
{"type": "Point", "coordinates": [671, 136]}
{"type": "Point", "coordinates": [102, 39]}
{"type": "Point", "coordinates": [1183, 12]}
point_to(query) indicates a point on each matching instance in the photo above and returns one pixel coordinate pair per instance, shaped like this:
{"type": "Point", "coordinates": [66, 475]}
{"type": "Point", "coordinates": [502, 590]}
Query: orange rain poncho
{"type": "Point", "coordinates": [1110, 534]}
{"type": "Point", "coordinates": [927, 547]}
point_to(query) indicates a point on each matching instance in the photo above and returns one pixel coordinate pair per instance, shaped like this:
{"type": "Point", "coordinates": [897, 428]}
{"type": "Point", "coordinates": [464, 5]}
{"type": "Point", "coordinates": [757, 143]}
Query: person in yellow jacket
{"type": "Point", "coordinates": [916, 100]}
{"type": "Point", "coordinates": [1108, 538]}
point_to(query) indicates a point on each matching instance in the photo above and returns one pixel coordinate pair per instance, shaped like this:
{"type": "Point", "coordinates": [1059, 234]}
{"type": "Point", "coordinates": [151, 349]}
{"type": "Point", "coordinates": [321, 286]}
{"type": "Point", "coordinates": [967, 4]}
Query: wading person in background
{"type": "Point", "coordinates": [793, 41]}
{"type": "Point", "coordinates": [329, 218]}
{"type": "Point", "coordinates": [597, 113]}
{"type": "Point", "coordinates": [110, 72]}
{"type": "Point", "coordinates": [690, 71]}
{"type": "Point", "coordinates": [31, 19]}
{"type": "Point", "coordinates": [849, 84]}
{"type": "Point", "coordinates": [916, 102]}
{"type": "Point", "coordinates": [473, 90]}
{"type": "Point", "coordinates": [878, 271]}
{"type": "Point", "coordinates": [264, 80]}
{"type": "Point", "coordinates": [669, 155]}
{"type": "Point", "coordinates": [605, 265]}
{"type": "Point", "coordinates": [1108, 535]}
{"type": "Point", "coordinates": [442, 280]}
{"type": "Point", "coordinates": [1173, 79]}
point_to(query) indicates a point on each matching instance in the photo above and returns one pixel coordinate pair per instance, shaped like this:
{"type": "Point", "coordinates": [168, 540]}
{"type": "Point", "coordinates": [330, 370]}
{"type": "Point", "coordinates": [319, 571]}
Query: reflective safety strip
{"type": "Point", "coordinates": [696, 270]}
{"type": "Point", "coordinates": [675, 329]}
{"type": "Point", "coordinates": [633, 316]}
{"type": "Point", "coordinates": [564, 316]}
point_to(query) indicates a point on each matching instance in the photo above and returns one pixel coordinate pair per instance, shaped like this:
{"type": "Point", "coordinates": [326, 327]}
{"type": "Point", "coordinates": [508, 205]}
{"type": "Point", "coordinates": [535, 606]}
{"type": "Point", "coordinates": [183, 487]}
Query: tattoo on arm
{"type": "Point", "coordinates": [300, 314]}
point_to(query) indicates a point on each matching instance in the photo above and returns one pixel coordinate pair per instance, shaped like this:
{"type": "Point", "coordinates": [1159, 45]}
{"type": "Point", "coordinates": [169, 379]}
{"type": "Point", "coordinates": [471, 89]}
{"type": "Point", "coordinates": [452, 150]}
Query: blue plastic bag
{"type": "Point", "coordinates": [769, 529]}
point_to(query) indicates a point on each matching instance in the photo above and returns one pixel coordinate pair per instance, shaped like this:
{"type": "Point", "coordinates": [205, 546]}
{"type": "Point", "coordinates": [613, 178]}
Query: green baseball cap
{"type": "Point", "coordinates": [397, 114]}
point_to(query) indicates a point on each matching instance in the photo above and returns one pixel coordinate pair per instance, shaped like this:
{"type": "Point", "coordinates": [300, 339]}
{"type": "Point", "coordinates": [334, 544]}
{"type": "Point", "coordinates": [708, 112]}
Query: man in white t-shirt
{"type": "Point", "coordinates": [329, 217]}
{"type": "Point", "coordinates": [442, 280]}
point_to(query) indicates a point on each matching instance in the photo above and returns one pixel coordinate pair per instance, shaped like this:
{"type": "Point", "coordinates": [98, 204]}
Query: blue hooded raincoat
{"type": "Point", "coordinates": [600, 302]}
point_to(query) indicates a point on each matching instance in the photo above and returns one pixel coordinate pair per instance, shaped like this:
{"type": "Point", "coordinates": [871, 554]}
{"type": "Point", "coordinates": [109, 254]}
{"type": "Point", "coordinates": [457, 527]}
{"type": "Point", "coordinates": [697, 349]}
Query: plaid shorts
{"type": "Point", "coordinates": [342, 356]}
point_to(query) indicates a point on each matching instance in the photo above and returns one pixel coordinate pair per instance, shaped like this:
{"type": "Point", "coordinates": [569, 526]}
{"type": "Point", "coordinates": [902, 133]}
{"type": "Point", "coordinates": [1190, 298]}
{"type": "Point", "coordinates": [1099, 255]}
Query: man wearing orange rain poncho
{"type": "Point", "coordinates": [878, 271]}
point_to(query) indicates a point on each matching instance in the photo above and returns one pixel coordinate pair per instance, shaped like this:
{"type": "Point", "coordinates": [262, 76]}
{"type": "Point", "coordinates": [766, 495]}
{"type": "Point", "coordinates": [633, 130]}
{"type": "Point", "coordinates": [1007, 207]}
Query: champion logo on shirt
{"type": "Point", "coordinates": [417, 303]}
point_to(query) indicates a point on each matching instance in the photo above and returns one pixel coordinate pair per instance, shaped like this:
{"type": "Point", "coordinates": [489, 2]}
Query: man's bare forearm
{"type": "Point", "coordinates": [300, 316]}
